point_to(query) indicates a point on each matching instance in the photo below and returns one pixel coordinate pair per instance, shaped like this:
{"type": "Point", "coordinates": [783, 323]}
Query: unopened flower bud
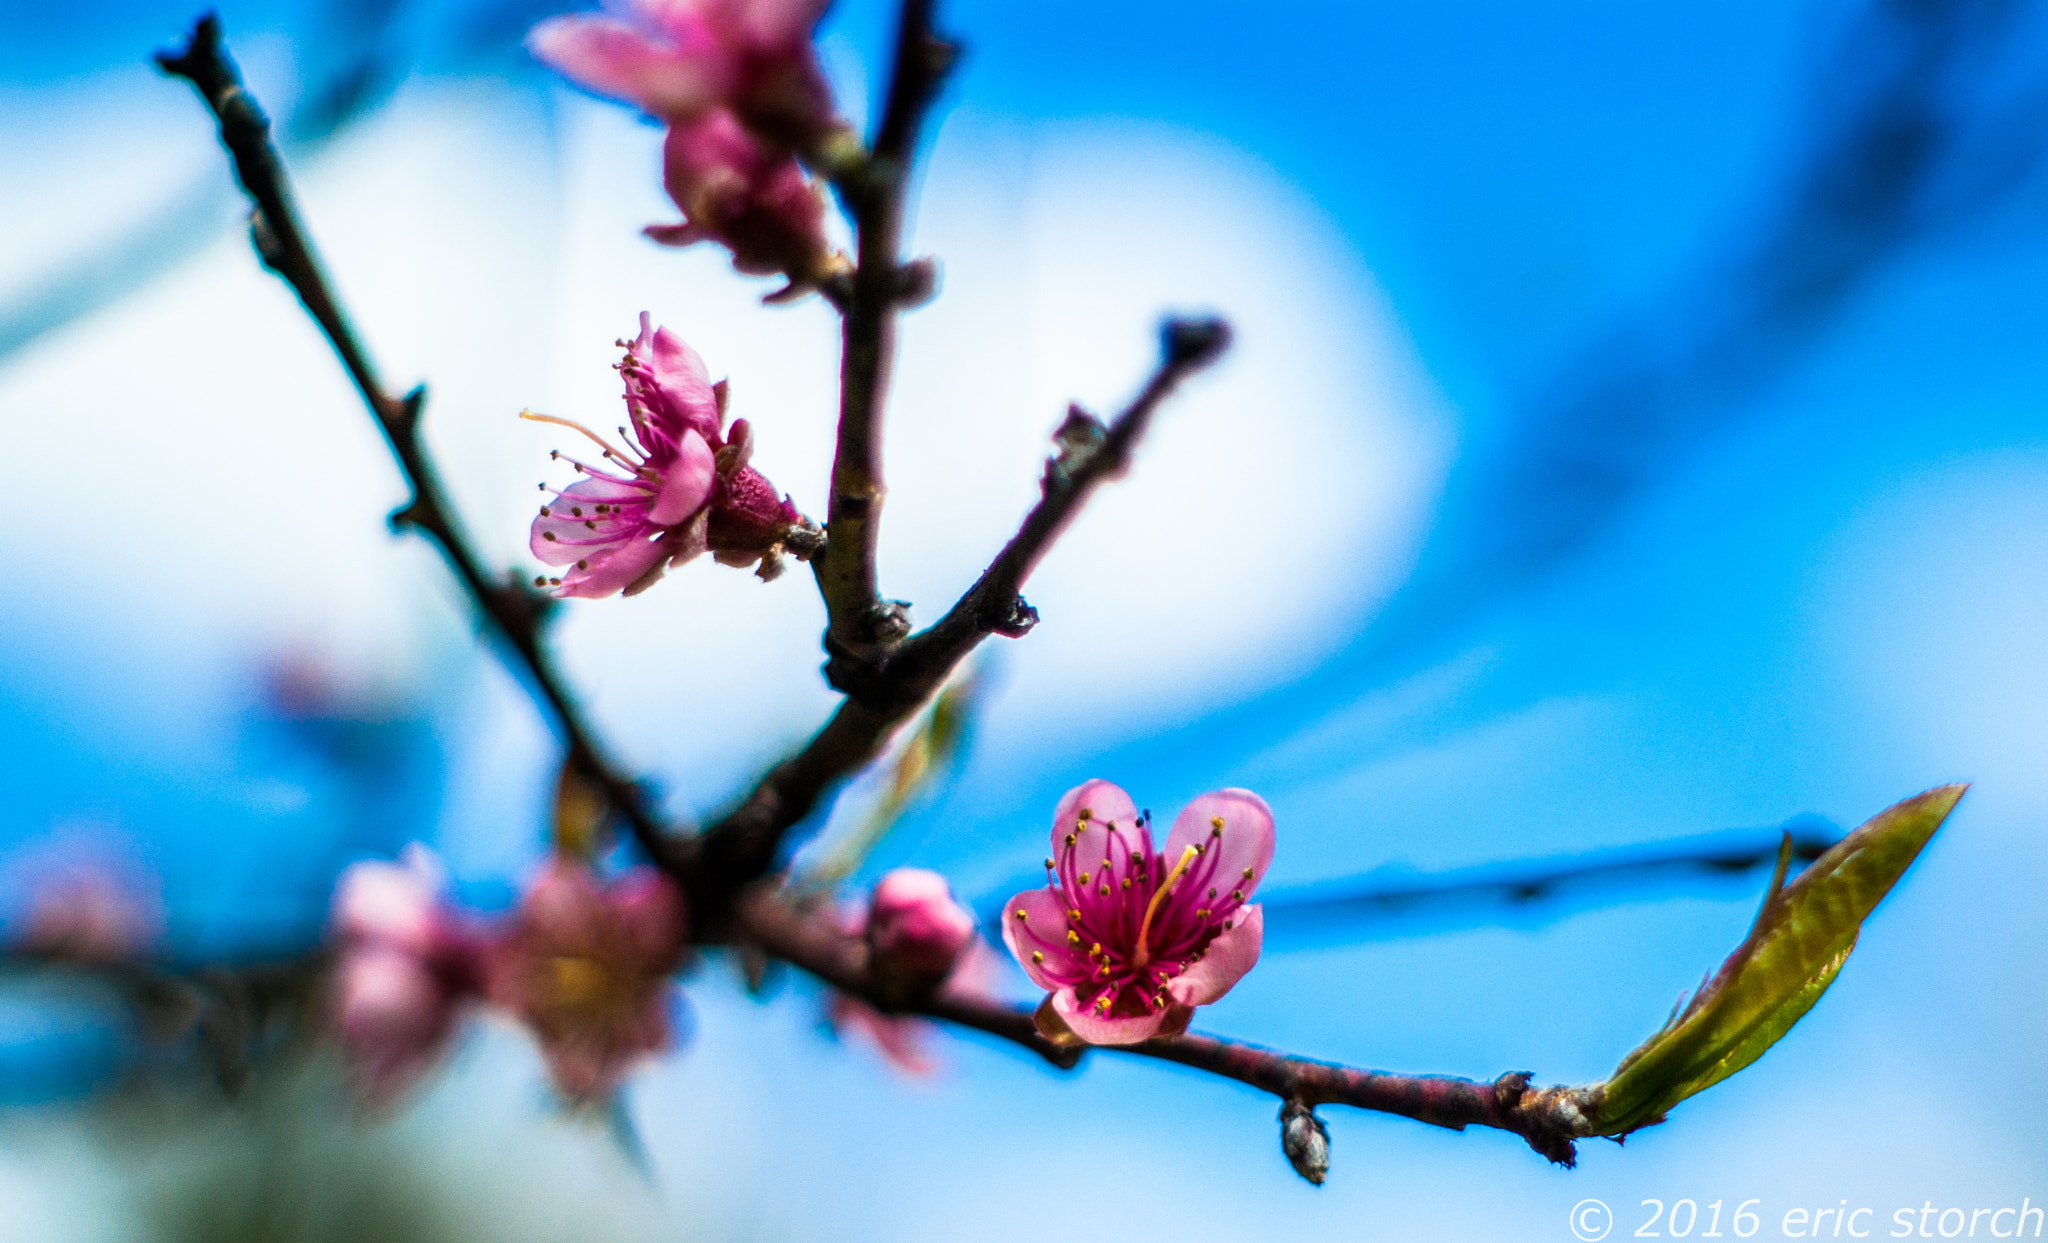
{"type": "Point", "coordinates": [915, 929]}
{"type": "Point", "coordinates": [1305, 1141]}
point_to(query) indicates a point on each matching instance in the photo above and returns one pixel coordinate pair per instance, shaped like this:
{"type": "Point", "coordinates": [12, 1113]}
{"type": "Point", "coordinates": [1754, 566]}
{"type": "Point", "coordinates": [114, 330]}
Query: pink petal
{"type": "Point", "coordinates": [615, 570]}
{"type": "Point", "coordinates": [384, 902]}
{"type": "Point", "coordinates": [684, 383]}
{"type": "Point", "coordinates": [1095, 1029]}
{"type": "Point", "coordinates": [1107, 805]}
{"type": "Point", "coordinates": [650, 912]}
{"type": "Point", "coordinates": [563, 910]}
{"type": "Point", "coordinates": [562, 536]}
{"type": "Point", "coordinates": [1043, 930]}
{"type": "Point", "coordinates": [1224, 963]}
{"type": "Point", "coordinates": [611, 58]}
{"type": "Point", "coordinates": [1246, 841]}
{"type": "Point", "coordinates": [685, 482]}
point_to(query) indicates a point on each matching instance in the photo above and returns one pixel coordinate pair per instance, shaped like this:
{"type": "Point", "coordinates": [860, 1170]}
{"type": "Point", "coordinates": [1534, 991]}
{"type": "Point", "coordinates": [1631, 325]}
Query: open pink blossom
{"type": "Point", "coordinates": [406, 966]}
{"type": "Point", "coordinates": [585, 965]}
{"type": "Point", "coordinates": [739, 86]}
{"type": "Point", "coordinates": [679, 59]}
{"type": "Point", "coordinates": [1129, 940]}
{"type": "Point", "coordinates": [679, 485]}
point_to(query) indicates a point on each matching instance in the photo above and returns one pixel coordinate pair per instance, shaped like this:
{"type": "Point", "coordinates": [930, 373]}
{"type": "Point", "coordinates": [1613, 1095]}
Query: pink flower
{"type": "Point", "coordinates": [739, 86]}
{"type": "Point", "coordinates": [407, 964]}
{"type": "Point", "coordinates": [679, 59]}
{"type": "Point", "coordinates": [92, 912]}
{"type": "Point", "coordinates": [915, 930]}
{"type": "Point", "coordinates": [1127, 940]}
{"type": "Point", "coordinates": [586, 967]}
{"type": "Point", "coordinates": [748, 195]}
{"type": "Point", "coordinates": [678, 487]}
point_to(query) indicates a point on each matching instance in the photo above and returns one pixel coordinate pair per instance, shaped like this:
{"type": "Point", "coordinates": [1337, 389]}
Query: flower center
{"type": "Point", "coordinates": [1143, 953]}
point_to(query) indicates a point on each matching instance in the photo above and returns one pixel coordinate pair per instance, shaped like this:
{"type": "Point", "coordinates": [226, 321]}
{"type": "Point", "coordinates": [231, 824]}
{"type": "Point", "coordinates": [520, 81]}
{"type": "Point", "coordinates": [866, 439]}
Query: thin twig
{"type": "Point", "coordinates": [514, 611]}
{"type": "Point", "coordinates": [860, 626]}
{"type": "Point", "coordinates": [743, 845]}
{"type": "Point", "coordinates": [1549, 1119]}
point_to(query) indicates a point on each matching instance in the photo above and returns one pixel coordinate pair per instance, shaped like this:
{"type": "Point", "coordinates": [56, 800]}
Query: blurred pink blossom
{"type": "Point", "coordinates": [739, 86]}
{"type": "Point", "coordinates": [747, 194]}
{"type": "Point", "coordinates": [91, 912]}
{"type": "Point", "coordinates": [1127, 940]}
{"type": "Point", "coordinates": [914, 927]}
{"type": "Point", "coordinates": [407, 964]}
{"type": "Point", "coordinates": [585, 966]}
{"type": "Point", "coordinates": [679, 59]}
{"type": "Point", "coordinates": [678, 487]}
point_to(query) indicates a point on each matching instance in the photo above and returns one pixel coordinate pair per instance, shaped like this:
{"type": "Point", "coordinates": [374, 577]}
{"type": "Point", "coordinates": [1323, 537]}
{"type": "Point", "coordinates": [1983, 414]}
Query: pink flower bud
{"type": "Point", "coordinates": [747, 195]}
{"type": "Point", "coordinates": [915, 928]}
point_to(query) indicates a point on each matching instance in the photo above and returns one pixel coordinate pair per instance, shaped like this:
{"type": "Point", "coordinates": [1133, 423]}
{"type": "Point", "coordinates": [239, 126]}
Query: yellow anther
{"type": "Point", "coordinates": [1127, 882]}
{"type": "Point", "coordinates": [1037, 955]}
{"type": "Point", "coordinates": [1084, 878]}
{"type": "Point", "coordinates": [1074, 915]}
{"type": "Point", "coordinates": [1070, 839]}
{"type": "Point", "coordinates": [1237, 895]}
{"type": "Point", "coordinates": [1102, 891]}
{"type": "Point", "coordinates": [1215, 826]}
{"type": "Point", "coordinates": [1073, 938]}
{"type": "Point", "coordinates": [1021, 913]}
{"type": "Point", "coordinates": [1086, 815]}
{"type": "Point", "coordinates": [1095, 949]}
{"type": "Point", "coordinates": [1102, 1003]}
{"type": "Point", "coordinates": [1203, 913]}
{"type": "Point", "coordinates": [1048, 864]}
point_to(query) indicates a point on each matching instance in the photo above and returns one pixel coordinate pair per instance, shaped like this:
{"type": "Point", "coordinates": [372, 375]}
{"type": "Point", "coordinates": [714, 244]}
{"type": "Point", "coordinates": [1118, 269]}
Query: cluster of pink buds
{"type": "Point", "coordinates": [679, 485]}
{"type": "Point", "coordinates": [583, 964]}
{"type": "Point", "coordinates": [739, 87]}
{"type": "Point", "coordinates": [1128, 940]}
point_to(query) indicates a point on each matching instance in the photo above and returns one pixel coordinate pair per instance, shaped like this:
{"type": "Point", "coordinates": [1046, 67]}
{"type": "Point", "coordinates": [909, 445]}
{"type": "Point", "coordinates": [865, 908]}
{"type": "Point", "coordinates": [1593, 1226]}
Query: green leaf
{"type": "Point", "coordinates": [1802, 935]}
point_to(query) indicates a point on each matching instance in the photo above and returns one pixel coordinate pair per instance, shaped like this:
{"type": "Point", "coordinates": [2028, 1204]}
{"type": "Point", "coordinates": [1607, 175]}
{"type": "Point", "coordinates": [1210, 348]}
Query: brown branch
{"type": "Point", "coordinates": [1549, 1119]}
{"type": "Point", "coordinates": [512, 609]}
{"type": "Point", "coordinates": [742, 846]}
{"type": "Point", "coordinates": [860, 626]}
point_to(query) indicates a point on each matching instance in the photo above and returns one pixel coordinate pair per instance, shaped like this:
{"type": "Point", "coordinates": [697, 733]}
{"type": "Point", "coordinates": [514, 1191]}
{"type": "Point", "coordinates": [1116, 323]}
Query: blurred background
{"type": "Point", "coordinates": [1635, 433]}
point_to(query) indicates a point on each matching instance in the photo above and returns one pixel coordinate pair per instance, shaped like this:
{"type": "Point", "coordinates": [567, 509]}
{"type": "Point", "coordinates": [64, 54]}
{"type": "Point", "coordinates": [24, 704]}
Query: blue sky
{"type": "Point", "coordinates": [1636, 432]}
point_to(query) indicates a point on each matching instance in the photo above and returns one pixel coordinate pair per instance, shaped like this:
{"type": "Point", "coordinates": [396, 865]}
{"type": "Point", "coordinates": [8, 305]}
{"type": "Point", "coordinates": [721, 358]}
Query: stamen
{"type": "Point", "coordinates": [1215, 826]}
{"type": "Point", "coordinates": [1037, 956]}
{"type": "Point", "coordinates": [1021, 914]}
{"type": "Point", "coordinates": [1086, 815]}
{"type": "Point", "coordinates": [595, 439]}
{"type": "Point", "coordinates": [1073, 938]}
{"type": "Point", "coordinates": [1247, 873]}
{"type": "Point", "coordinates": [1084, 878]}
{"type": "Point", "coordinates": [1144, 951]}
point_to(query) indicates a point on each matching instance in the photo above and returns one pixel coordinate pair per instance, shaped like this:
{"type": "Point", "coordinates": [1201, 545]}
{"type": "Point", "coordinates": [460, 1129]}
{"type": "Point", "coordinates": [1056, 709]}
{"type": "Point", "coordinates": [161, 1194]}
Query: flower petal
{"type": "Point", "coordinates": [614, 570]}
{"type": "Point", "coordinates": [1245, 843]}
{"type": "Point", "coordinates": [611, 58]}
{"type": "Point", "coordinates": [684, 385]}
{"type": "Point", "coordinates": [1095, 1029]}
{"type": "Point", "coordinates": [570, 528]}
{"type": "Point", "coordinates": [387, 903]}
{"type": "Point", "coordinates": [1224, 963]}
{"type": "Point", "coordinates": [1106, 805]}
{"type": "Point", "coordinates": [650, 912]}
{"type": "Point", "coordinates": [685, 482]}
{"type": "Point", "coordinates": [1043, 930]}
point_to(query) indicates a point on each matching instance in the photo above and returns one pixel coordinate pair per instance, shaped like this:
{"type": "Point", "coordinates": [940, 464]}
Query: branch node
{"type": "Point", "coordinates": [261, 236]}
{"type": "Point", "coordinates": [1305, 1140]}
{"type": "Point", "coordinates": [917, 282]}
{"type": "Point", "coordinates": [1014, 620]}
{"type": "Point", "coordinates": [1194, 342]}
{"type": "Point", "coordinates": [888, 621]}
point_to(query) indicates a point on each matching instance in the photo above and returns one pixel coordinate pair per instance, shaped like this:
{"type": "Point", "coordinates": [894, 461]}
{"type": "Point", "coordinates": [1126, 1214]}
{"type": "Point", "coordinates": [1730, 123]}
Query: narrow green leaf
{"type": "Point", "coordinates": [1802, 935]}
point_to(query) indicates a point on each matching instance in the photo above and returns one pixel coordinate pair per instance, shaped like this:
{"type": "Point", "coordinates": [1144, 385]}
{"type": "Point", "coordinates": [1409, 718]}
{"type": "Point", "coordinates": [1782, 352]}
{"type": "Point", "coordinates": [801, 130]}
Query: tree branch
{"type": "Point", "coordinates": [861, 627]}
{"type": "Point", "coordinates": [1549, 1119]}
{"type": "Point", "coordinates": [742, 846]}
{"type": "Point", "coordinates": [514, 611]}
